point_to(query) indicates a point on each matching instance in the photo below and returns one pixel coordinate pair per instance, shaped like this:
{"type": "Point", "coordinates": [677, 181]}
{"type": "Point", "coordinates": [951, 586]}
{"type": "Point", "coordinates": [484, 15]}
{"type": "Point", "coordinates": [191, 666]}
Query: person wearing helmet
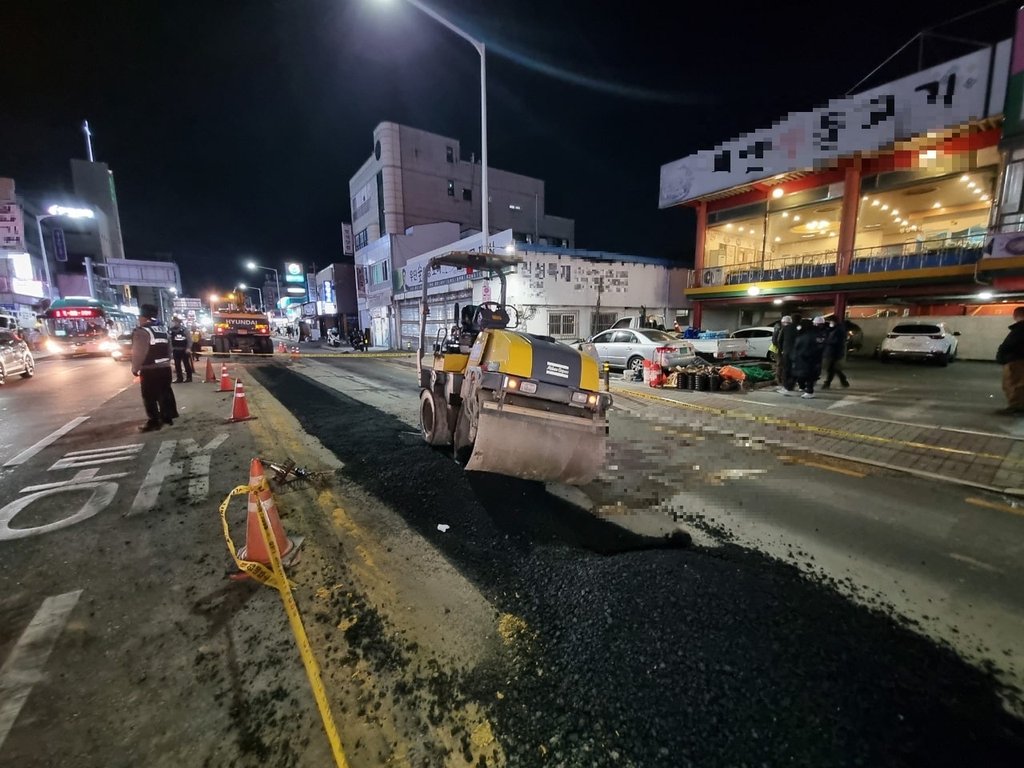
{"type": "Point", "coordinates": [808, 350]}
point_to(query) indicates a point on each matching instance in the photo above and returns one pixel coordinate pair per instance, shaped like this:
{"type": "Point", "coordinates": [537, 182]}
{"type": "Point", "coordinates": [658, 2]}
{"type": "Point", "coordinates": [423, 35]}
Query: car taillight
{"type": "Point", "coordinates": [664, 350]}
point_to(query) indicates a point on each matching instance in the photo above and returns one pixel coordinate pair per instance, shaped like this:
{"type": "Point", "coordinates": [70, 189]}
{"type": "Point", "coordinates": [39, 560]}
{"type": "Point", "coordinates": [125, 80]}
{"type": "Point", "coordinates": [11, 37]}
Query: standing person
{"type": "Point", "coordinates": [835, 353]}
{"type": "Point", "coordinates": [808, 350]}
{"type": "Point", "coordinates": [785, 342]}
{"type": "Point", "coordinates": [151, 362]}
{"type": "Point", "coordinates": [1010, 355]}
{"type": "Point", "coordinates": [181, 348]}
{"type": "Point", "coordinates": [197, 344]}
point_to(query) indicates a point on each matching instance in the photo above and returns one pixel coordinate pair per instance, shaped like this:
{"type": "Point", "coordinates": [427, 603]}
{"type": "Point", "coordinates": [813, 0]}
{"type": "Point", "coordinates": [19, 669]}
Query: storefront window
{"type": "Point", "coordinates": [935, 221]}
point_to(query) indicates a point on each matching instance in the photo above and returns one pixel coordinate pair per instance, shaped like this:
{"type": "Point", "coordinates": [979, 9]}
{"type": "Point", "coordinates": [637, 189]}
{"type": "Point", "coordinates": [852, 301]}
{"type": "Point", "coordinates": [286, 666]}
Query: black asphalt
{"type": "Point", "coordinates": [641, 652]}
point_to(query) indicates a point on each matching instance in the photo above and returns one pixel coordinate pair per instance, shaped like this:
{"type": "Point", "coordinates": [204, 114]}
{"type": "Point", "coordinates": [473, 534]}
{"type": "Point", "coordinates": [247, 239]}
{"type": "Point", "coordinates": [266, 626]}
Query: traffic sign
{"type": "Point", "coordinates": [60, 247]}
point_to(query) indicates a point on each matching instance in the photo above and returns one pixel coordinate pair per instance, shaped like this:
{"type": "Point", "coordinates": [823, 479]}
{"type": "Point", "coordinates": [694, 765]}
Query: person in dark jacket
{"type": "Point", "coordinates": [1010, 355]}
{"type": "Point", "coordinates": [151, 362]}
{"type": "Point", "coordinates": [181, 349]}
{"type": "Point", "coordinates": [785, 341]}
{"type": "Point", "coordinates": [835, 353]}
{"type": "Point", "coordinates": [808, 350]}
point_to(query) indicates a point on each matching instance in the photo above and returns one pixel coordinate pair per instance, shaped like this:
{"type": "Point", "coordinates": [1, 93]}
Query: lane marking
{"type": "Point", "coordinates": [798, 426]}
{"type": "Point", "coordinates": [849, 400]}
{"type": "Point", "coordinates": [976, 563]}
{"type": "Point", "coordinates": [994, 505]}
{"type": "Point", "coordinates": [832, 468]}
{"type": "Point", "coordinates": [28, 453]}
{"type": "Point", "coordinates": [24, 667]}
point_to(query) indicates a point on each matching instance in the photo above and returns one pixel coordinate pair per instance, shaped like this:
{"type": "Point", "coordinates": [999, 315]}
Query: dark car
{"type": "Point", "coordinates": [15, 357]}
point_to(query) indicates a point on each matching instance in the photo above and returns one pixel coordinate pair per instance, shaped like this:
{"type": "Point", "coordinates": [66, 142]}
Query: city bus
{"type": "Point", "coordinates": [83, 326]}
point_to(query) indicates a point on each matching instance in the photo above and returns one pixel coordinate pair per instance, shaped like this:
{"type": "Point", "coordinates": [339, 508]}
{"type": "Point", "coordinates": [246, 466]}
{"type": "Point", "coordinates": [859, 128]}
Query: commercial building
{"type": "Point", "coordinates": [564, 293]}
{"type": "Point", "coordinates": [876, 205]}
{"type": "Point", "coordinates": [336, 305]}
{"type": "Point", "coordinates": [414, 177]}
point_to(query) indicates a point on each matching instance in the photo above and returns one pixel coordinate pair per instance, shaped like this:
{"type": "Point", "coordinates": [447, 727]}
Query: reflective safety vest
{"type": "Point", "coordinates": [159, 352]}
{"type": "Point", "coordinates": [179, 338]}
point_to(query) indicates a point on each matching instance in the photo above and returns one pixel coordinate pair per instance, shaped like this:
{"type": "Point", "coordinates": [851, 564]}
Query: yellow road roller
{"type": "Point", "coordinates": [507, 401]}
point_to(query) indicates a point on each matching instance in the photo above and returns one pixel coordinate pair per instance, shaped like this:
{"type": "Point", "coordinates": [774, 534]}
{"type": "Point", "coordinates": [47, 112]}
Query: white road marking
{"type": "Point", "coordinates": [24, 667]}
{"type": "Point", "coordinates": [975, 563]}
{"type": "Point", "coordinates": [161, 468]}
{"type": "Point", "coordinates": [102, 494]}
{"type": "Point", "coordinates": [28, 453]}
{"type": "Point", "coordinates": [849, 400]}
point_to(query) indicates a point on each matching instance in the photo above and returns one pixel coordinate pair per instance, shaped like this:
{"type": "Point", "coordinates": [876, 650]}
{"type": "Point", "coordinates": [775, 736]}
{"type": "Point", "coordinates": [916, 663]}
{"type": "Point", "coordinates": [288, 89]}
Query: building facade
{"type": "Point", "coordinates": [877, 205]}
{"type": "Point", "coordinates": [414, 177]}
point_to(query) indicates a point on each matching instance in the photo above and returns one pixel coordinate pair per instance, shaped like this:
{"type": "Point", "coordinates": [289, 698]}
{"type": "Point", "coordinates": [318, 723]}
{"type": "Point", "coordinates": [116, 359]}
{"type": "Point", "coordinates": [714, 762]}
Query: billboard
{"type": "Point", "coordinates": [153, 274]}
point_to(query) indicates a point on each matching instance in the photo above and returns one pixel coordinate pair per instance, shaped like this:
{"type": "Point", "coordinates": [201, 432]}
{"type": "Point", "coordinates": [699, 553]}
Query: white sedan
{"type": "Point", "coordinates": [628, 348]}
{"type": "Point", "coordinates": [759, 338]}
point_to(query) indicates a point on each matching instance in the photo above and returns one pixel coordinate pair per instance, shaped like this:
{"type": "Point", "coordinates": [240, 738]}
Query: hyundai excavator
{"type": "Point", "coordinates": [507, 401]}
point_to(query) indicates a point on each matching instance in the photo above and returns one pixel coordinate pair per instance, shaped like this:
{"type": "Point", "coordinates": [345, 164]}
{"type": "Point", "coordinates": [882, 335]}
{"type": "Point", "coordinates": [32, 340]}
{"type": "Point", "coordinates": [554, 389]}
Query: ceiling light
{"type": "Point", "coordinates": [753, 291]}
{"type": "Point", "coordinates": [972, 185]}
{"type": "Point", "coordinates": [965, 177]}
{"type": "Point", "coordinates": [777, 193]}
{"type": "Point", "coordinates": [778, 239]}
{"type": "Point", "coordinates": [785, 214]}
{"type": "Point", "coordinates": [936, 204]}
{"type": "Point", "coordinates": [986, 198]}
{"type": "Point", "coordinates": [885, 207]}
{"type": "Point", "coordinates": [895, 212]}
{"type": "Point", "coordinates": [985, 295]}
{"type": "Point", "coordinates": [979, 191]}
{"type": "Point", "coordinates": [728, 226]}
{"type": "Point", "coordinates": [796, 218]}
{"type": "Point", "coordinates": [776, 302]}
{"type": "Point", "coordinates": [874, 202]}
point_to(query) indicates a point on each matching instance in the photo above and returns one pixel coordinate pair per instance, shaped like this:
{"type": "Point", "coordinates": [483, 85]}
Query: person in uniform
{"type": "Point", "coordinates": [181, 345]}
{"type": "Point", "coordinates": [151, 362]}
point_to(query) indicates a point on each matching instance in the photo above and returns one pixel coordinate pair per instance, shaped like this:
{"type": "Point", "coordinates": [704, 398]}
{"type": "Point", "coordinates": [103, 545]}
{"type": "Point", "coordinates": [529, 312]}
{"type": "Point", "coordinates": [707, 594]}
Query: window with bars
{"type": "Point", "coordinates": [601, 321]}
{"type": "Point", "coordinates": [562, 324]}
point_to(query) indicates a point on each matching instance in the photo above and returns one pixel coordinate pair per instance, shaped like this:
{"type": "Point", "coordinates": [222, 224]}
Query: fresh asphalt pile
{"type": "Point", "coordinates": [640, 652]}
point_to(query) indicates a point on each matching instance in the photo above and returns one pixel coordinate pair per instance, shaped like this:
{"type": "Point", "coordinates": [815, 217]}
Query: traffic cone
{"type": "Point", "coordinates": [211, 377]}
{"type": "Point", "coordinates": [295, 353]}
{"type": "Point", "coordinates": [239, 405]}
{"type": "Point", "coordinates": [225, 379]}
{"type": "Point", "coordinates": [255, 549]}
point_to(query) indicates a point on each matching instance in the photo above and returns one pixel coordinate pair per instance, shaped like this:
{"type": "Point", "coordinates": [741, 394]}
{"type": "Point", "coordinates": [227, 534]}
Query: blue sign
{"type": "Point", "coordinates": [60, 248]}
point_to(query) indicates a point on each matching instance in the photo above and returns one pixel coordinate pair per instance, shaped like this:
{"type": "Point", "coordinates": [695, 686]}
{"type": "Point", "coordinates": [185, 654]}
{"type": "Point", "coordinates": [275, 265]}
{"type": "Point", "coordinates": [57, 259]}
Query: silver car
{"type": "Point", "coordinates": [15, 357]}
{"type": "Point", "coordinates": [628, 348]}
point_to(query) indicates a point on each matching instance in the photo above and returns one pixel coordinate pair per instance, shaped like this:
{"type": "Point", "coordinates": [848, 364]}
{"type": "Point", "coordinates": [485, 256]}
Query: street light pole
{"type": "Point", "coordinates": [253, 265]}
{"type": "Point", "coordinates": [485, 203]}
{"type": "Point", "coordinates": [46, 261]}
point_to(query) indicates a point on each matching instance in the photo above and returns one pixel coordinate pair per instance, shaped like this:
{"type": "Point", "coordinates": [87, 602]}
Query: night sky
{"type": "Point", "coordinates": [233, 127]}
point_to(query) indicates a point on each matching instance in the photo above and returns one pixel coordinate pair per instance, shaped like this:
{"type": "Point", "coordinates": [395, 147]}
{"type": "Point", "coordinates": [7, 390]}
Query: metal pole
{"type": "Point", "coordinates": [485, 204]}
{"type": "Point", "coordinates": [88, 139]}
{"type": "Point", "coordinates": [46, 263]}
{"type": "Point", "coordinates": [479, 46]}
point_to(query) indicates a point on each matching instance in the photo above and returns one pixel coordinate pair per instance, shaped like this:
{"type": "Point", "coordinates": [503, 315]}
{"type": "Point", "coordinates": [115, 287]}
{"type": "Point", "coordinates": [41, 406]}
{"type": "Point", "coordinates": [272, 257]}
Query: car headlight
{"type": "Point", "coordinates": [52, 346]}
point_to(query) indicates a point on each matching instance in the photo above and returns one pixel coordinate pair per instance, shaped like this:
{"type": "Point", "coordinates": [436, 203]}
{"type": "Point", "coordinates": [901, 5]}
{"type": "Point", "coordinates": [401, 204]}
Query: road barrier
{"type": "Point", "coordinates": [275, 576]}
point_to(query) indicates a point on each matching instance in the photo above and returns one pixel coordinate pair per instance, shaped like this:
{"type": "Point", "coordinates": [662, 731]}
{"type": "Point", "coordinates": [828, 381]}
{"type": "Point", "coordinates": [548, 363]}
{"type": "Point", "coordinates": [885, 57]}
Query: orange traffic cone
{"type": "Point", "coordinates": [225, 379]}
{"type": "Point", "coordinates": [239, 406]}
{"type": "Point", "coordinates": [211, 377]}
{"type": "Point", "coordinates": [295, 353]}
{"type": "Point", "coordinates": [255, 548]}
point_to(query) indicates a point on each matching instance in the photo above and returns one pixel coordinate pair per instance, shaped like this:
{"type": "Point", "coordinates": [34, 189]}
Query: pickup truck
{"type": "Point", "coordinates": [712, 350]}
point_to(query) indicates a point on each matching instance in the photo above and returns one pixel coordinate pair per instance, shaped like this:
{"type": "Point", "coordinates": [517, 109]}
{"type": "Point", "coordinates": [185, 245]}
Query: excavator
{"type": "Point", "coordinates": [507, 401]}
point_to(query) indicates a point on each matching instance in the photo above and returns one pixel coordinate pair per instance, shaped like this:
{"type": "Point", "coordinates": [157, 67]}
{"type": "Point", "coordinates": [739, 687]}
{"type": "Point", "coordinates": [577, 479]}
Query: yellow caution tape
{"type": "Point", "coordinates": [277, 578]}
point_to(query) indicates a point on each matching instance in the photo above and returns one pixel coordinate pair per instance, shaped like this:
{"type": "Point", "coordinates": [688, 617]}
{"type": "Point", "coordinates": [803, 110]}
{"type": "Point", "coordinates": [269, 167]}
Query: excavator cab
{"type": "Point", "coordinates": [507, 401]}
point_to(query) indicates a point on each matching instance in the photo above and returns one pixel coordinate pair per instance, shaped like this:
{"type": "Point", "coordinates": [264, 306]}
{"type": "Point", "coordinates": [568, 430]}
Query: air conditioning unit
{"type": "Point", "coordinates": [712, 276]}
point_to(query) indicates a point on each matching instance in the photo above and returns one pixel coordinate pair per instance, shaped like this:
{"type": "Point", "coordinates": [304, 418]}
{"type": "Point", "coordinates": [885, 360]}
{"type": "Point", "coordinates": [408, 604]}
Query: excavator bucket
{"type": "Point", "coordinates": [537, 445]}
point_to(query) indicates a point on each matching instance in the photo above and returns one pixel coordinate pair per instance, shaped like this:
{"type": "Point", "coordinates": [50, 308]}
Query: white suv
{"type": "Point", "coordinates": [919, 341]}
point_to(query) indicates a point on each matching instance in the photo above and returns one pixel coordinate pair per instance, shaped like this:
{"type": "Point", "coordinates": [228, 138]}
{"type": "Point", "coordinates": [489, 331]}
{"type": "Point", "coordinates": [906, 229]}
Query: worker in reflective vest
{"type": "Point", "coordinates": [151, 362]}
{"type": "Point", "coordinates": [181, 344]}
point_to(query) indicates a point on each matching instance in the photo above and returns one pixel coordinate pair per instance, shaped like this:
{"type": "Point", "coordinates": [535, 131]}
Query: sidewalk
{"type": "Point", "coordinates": [975, 458]}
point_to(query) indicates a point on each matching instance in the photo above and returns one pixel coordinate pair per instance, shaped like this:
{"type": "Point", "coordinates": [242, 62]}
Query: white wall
{"type": "Point", "coordinates": [979, 336]}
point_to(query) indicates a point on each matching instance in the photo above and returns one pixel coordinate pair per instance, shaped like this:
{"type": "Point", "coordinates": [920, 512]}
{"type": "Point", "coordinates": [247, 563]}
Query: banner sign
{"type": "Point", "coordinates": [944, 96]}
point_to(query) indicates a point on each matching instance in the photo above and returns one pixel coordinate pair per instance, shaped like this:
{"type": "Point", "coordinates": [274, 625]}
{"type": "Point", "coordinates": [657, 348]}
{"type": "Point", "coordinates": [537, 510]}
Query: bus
{"type": "Point", "coordinates": [79, 325]}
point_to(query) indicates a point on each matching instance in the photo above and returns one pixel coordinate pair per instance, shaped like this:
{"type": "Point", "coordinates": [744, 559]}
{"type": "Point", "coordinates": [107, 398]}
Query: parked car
{"type": "Point", "coordinates": [919, 341]}
{"type": "Point", "coordinates": [758, 338]}
{"type": "Point", "coordinates": [122, 349]}
{"type": "Point", "coordinates": [15, 357]}
{"type": "Point", "coordinates": [628, 348]}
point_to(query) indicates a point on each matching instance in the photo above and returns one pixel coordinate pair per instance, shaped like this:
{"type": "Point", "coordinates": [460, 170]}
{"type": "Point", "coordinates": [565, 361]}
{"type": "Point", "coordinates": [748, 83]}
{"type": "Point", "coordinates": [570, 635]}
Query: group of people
{"type": "Point", "coordinates": [803, 348]}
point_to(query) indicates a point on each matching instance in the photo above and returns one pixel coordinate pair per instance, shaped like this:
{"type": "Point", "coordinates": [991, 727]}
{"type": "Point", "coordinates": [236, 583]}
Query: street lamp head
{"type": "Point", "coordinates": [173, 290]}
{"type": "Point", "coordinates": [71, 213]}
{"type": "Point", "coordinates": [243, 286]}
{"type": "Point", "coordinates": [214, 297]}
{"type": "Point", "coordinates": [250, 265]}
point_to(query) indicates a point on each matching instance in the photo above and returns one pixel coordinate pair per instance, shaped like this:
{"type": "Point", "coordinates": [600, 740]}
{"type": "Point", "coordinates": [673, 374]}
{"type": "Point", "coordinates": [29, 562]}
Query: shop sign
{"type": "Point", "coordinates": [944, 96]}
{"type": "Point", "coordinates": [1004, 245]}
{"type": "Point", "coordinates": [32, 288]}
{"type": "Point", "coordinates": [12, 229]}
